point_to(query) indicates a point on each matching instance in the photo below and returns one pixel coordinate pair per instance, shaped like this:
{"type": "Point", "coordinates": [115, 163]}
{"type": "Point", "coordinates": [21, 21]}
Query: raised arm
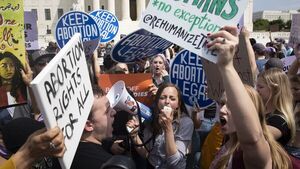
{"type": "Point", "coordinates": [255, 148]}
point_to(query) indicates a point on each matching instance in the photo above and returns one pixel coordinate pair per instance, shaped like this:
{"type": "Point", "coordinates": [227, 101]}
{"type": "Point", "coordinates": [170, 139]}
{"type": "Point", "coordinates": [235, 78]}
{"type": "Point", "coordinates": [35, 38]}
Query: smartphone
{"type": "Point", "coordinates": [167, 110]}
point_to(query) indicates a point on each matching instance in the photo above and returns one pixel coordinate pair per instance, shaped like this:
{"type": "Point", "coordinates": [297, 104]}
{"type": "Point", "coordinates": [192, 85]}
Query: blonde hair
{"type": "Point", "coordinates": [281, 95]}
{"type": "Point", "coordinates": [165, 61]}
{"type": "Point", "coordinates": [280, 159]}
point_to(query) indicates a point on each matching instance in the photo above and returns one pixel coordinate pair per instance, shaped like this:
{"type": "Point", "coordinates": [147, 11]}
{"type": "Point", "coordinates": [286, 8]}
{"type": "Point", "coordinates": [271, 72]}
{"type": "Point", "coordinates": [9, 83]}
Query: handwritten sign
{"type": "Point", "coordinates": [12, 53]}
{"type": "Point", "coordinates": [138, 45]}
{"type": "Point", "coordinates": [78, 22]}
{"type": "Point", "coordinates": [295, 30]}
{"type": "Point", "coordinates": [241, 64]}
{"type": "Point", "coordinates": [138, 83]}
{"type": "Point", "coordinates": [188, 74]}
{"type": "Point", "coordinates": [64, 94]}
{"type": "Point", "coordinates": [108, 24]}
{"type": "Point", "coordinates": [31, 32]}
{"type": "Point", "coordinates": [187, 22]}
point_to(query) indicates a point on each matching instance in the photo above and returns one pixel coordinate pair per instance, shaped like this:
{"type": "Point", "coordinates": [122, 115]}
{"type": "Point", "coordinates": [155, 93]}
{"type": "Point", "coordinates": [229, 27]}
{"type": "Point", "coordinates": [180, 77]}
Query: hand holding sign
{"type": "Point", "coordinates": [63, 93]}
{"type": "Point", "coordinates": [225, 43]}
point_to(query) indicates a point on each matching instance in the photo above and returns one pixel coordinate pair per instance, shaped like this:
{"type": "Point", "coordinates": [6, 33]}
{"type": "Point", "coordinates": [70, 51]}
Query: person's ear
{"type": "Point", "coordinates": [89, 126]}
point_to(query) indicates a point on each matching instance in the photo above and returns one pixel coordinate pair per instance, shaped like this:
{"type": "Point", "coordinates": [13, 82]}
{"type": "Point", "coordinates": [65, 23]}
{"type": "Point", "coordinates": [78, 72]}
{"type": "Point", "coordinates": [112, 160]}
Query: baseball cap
{"type": "Point", "coordinates": [274, 63]}
{"type": "Point", "coordinates": [280, 40]}
{"type": "Point", "coordinates": [37, 55]}
{"type": "Point", "coordinates": [270, 50]}
{"type": "Point", "coordinates": [259, 48]}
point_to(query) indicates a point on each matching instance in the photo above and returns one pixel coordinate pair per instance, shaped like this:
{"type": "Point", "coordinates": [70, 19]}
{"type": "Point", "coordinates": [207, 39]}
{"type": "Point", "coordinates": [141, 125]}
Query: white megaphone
{"type": "Point", "coordinates": [120, 99]}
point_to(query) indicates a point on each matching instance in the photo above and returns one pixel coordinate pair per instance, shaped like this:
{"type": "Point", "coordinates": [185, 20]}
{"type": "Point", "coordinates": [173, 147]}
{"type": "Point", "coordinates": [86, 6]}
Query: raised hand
{"type": "Point", "coordinates": [225, 43]}
{"type": "Point", "coordinates": [27, 74]}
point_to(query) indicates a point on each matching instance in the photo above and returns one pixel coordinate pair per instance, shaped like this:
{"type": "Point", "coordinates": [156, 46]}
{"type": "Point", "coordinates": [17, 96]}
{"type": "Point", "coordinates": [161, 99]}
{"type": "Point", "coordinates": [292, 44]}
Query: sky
{"type": "Point", "coordinates": [260, 5]}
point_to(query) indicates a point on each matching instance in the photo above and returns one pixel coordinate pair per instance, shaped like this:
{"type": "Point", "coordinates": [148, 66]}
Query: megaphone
{"type": "Point", "coordinates": [120, 99]}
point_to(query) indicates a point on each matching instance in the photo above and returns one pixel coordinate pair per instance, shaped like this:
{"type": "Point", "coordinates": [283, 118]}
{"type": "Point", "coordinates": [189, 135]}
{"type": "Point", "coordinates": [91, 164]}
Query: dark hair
{"type": "Point", "coordinates": [17, 81]}
{"type": "Point", "coordinates": [182, 109]}
{"type": "Point", "coordinates": [97, 92]}
{"type": "Point", "coordinates": [252, 41]}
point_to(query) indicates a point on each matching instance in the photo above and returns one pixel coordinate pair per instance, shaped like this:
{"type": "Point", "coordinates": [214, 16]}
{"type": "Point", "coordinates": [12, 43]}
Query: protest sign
{"type": "Point", "coordinates": [186, 71]}
{"type": "Point", "coordinates": [108, 24]}
{"type": "Point", "coordinates": [78, 22]}
{"type": "Point", "coordinates": [241, 23]}
{"type": "Point", "coordinates": [287, 62]}
{"type": "Point", "coordinates": [12, 53]}
{"type": "Point", "coordinates": [187, 22]}
{"type": "Point", "coordinates": [295, 30]}
{"type": "Point", "coordinates": [64, 95]}
{"type": "Point", "coordinates": [31, 31]}
{"type": "Point", "coordinates": [138, 83]}
{"type": "Point", "coordinates": [241, 64]}
{"type": "Point", "coordinates": [138, 45]}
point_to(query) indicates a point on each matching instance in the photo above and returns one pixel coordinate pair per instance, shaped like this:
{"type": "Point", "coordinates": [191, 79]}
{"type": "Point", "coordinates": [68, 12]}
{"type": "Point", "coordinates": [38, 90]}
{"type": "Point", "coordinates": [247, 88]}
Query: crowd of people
{"type": "Point", "coordinates": [248, 127]}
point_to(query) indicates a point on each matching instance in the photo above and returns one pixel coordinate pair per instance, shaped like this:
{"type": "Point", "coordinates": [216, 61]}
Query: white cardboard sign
{"type": "Point", "coordinates": [187, 22]}
{"type": "Point", "coordinates": [64, 95]}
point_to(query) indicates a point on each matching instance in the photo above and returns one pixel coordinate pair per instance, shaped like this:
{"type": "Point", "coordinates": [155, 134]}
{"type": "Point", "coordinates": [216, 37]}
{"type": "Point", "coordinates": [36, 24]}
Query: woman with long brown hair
{"type": "Point", "coordinates": [167, 137]}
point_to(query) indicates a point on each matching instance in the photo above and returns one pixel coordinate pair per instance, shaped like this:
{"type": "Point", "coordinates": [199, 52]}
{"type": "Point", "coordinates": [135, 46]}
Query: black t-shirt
{"type": "Point", "coordinates": [276, 120]}
{"type": "Point", "coordinates": [88, 156]}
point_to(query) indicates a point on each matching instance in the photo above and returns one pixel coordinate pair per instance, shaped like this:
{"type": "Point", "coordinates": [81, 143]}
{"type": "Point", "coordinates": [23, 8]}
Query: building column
{"type": "Point", "coordinates": [78, 5]}
{"type": "Point", "coordinates": [141, 5]}
{"type": "Point", "coordinates": [96, 4]}
{"type": "Point", "coordinates": [111, 6]}
{"type": "Point", "coordinates": [125, 10]}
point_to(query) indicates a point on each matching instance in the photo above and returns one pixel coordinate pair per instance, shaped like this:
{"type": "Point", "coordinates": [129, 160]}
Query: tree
{"type": "Point", "coordinates": [288, 24]}
{"type": "Point", "coordinates": [260, 24]}
{"type": "Point", "coordinates": [278, 22]}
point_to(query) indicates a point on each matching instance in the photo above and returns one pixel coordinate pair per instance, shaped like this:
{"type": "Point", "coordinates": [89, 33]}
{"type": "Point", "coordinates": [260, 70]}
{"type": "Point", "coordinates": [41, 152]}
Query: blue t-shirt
{"type": "Point", "coordinates": [261, 64]}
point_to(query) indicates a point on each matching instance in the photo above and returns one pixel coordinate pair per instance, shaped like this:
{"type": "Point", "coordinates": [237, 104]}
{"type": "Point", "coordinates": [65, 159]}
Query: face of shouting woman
{"type": "Point", "coordinates": [169, 98]}
{"type": "Point", "coordinates": [227, 125]}
{"type": "Point", "coordinates": [158, 65]}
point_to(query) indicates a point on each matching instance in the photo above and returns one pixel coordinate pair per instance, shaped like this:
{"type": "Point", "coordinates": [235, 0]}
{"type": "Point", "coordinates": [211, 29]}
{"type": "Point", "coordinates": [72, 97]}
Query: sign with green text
{"type": "Point", "coordinates": [187, 22]}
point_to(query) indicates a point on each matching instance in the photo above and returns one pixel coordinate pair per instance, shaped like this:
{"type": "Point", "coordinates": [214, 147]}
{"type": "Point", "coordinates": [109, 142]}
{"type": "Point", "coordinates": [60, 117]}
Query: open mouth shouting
{"type": "Point", "coordinates": [223, 121]}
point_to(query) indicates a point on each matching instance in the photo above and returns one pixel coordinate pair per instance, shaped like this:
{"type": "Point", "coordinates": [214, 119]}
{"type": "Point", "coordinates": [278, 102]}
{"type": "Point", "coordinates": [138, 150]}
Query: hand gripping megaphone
{"type": "Point", "coordinates": [120, 99]}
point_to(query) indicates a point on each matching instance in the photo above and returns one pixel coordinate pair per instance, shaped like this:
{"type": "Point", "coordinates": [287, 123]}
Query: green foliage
{"type": "Point", "coordinates": [288, 24]}
{"type": "Point", "coordinates": [260, 25]}
{"type": "Point", "coordinates": [264, 25]}
{"type": "Point", "coordinates": [278, 22]}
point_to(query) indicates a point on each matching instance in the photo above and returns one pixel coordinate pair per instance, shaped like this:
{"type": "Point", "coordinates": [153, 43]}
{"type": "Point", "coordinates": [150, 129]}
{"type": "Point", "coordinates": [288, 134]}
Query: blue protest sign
{"type": "Point", "coordinates": [138, 45]}
{"type": "Point", "coordinates": [108, 24]}
{"type": "Point", "coordinates": [77, 21]}
{"type": "Point", "coordinates": [186, 71]}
